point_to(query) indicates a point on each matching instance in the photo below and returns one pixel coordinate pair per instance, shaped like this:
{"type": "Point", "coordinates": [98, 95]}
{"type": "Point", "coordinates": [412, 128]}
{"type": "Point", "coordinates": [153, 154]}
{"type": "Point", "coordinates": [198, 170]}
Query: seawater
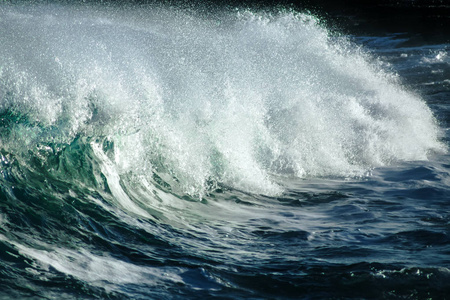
{"type": "Point", "coordinates": [156, 152]}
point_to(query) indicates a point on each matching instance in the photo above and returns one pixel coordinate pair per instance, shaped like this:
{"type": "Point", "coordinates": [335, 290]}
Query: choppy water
{"type": "Point", "coordinates": [164, 153]}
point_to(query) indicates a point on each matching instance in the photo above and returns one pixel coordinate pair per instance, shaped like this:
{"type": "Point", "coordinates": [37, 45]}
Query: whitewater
{"type": "Point", "coordinates": [150, 151]}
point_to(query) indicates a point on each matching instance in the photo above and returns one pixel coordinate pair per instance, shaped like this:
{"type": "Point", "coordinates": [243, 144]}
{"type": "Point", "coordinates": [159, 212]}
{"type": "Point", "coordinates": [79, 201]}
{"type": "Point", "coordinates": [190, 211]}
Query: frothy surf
{"type": "Point", "coordinates": [234, 99]}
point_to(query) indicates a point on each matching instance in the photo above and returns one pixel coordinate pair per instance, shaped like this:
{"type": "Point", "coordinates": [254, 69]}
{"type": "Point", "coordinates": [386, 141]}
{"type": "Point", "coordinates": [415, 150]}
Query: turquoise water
{"type": "Point", "coordinates": [158, 152]}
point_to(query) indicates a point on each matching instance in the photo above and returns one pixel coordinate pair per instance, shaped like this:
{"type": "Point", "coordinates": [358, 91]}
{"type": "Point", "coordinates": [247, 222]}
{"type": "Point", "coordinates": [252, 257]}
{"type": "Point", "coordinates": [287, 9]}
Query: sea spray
{"type": "Point", "coordinates": [203, 101]}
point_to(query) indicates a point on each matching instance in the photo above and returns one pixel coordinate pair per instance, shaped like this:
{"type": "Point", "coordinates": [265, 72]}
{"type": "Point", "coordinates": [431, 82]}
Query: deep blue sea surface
{"type": "Point", "coordinates": [168, 152]}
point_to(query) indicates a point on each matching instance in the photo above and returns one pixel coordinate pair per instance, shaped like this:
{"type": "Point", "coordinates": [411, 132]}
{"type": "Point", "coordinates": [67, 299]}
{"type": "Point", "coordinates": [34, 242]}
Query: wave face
{"type": "Point", "coordinates": [232, 99]}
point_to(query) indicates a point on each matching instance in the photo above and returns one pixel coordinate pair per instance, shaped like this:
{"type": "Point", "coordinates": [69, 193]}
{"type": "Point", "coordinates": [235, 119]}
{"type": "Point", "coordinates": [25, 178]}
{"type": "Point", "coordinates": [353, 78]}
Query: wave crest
{"type": "Point", "coordinates": [231, 99]}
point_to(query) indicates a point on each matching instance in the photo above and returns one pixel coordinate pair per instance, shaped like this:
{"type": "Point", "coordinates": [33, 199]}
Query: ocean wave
{"type": "Point", "coordinates": [190, 103]}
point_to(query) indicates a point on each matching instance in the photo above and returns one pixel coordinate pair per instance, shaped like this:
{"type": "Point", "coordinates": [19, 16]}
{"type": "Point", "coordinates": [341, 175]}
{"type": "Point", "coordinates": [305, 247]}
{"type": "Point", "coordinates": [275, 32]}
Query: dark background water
{"type": "Point", "coordinates": [385, 236]}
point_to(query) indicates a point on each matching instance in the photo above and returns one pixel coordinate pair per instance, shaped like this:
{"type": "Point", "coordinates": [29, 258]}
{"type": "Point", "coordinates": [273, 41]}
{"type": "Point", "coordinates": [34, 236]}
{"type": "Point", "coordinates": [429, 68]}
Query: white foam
{"type": "Point", "coordinates": [99, 269]}
{"type": "Point", "coordinates": [229, 99]}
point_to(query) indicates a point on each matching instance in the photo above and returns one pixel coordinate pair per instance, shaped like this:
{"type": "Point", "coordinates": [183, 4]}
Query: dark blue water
{"type": "Point", "coordinates": [155, 152]}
